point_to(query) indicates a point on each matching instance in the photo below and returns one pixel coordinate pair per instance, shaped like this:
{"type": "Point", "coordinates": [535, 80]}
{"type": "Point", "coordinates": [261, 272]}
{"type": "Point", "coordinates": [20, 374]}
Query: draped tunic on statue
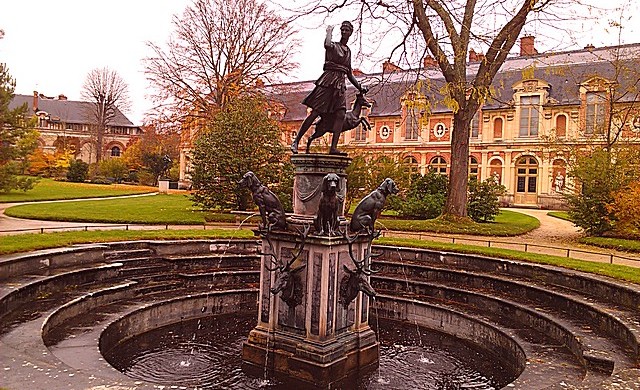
{"type": "Point", "coordinates": [329, 94]}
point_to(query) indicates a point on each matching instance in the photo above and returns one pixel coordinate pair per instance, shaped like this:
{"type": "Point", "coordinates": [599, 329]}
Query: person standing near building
{"type": "Point", "coordinates": [328, 98]}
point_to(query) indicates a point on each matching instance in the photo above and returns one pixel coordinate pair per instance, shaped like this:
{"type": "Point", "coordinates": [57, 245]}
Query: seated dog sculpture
{"type": "Point", "coordinates": [326, 222]}
{"type": "Point", "coordinates": [271, 210]}
{"type": "Point", "coordinates": [369, 208]}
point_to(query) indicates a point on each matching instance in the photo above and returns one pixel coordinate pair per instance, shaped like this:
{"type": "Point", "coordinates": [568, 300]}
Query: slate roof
{"type": "Point", "coordinates": [564, 71]}
{"type": "Point", "coordinates": [69, 111]}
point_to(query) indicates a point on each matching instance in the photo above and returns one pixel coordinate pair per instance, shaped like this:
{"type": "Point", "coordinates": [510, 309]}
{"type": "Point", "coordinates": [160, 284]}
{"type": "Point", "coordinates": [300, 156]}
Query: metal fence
{"type": "Point", "coordinates": [575, 253]}
{"type": "Point", "coordinates": [528, 247]}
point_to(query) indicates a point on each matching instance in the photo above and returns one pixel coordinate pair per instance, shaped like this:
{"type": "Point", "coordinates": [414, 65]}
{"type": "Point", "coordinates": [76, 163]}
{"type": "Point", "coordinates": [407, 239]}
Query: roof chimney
{"type": "Point", "coordinates": [475, 57]}
{"type": "Point", "coordinates": [35, 101]}
{"type": "Point", "coordinates": [390, 67]}
{"type": "Point", "coordinates": [62, 97]}
{"type": "Point", "coordinates": [589, 47]}
{"type": "Point", "coordinates": [527, 46]}
{"type": "Point", "coordinates": [429, 62]}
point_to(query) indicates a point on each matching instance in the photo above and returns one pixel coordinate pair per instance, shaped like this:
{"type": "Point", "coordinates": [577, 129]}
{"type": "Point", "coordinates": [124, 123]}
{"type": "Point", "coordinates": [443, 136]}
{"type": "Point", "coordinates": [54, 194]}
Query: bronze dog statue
{"type": "Point", "coordinates": [367, 211]}
{"type": "Point", "coordinates": [326, 222]}
{"type": "Point", "coordinates": [271, 210]}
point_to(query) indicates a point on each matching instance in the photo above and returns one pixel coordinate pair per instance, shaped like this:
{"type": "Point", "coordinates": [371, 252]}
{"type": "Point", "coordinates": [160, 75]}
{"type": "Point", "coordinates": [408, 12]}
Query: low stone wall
{"type": "Point", "coordinates": [176, 310]}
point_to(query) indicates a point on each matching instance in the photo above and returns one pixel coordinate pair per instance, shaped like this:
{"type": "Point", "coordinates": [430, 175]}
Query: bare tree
{"type": "Point", "coordinates": [108, 94]}
{"type": "Point", "coordinates": [446, 30]}
{"type": "Point", "coordinates": [219, 48]}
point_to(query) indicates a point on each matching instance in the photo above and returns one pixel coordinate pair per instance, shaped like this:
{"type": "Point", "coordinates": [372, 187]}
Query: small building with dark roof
{"type": "Point", "coordinates": [67, 125]}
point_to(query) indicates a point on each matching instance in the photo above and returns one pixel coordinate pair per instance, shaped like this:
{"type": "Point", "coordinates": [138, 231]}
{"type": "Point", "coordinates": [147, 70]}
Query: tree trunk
{"type": "Point", "coordinates": [456, 204]}
{"type": "Point", "coordinates": [99, 142]}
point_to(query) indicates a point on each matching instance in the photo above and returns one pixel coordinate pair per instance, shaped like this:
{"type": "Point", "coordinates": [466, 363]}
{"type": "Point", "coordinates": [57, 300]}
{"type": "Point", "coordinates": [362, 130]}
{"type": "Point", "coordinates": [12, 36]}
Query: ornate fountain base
{"type": "Point", "coordinates": [320, 364]}
{"type": "Point", "coordinates": [313, 330]}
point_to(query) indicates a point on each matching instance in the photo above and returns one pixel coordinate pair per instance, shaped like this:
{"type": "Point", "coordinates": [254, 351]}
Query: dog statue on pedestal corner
{"type": "Point", "coordinates": [367, 211]}
{"type": "Point", "coordinates": [271, 210]}
{"type": "Point", "coordinates": [326, 222]}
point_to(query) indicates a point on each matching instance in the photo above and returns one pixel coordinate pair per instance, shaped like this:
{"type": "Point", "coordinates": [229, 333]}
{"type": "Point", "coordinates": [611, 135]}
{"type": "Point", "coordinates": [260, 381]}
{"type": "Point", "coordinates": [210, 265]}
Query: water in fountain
{"type": "Point", "coordinates": [216, 363]}
{"type": "Point", "coordinates": [422, 358]}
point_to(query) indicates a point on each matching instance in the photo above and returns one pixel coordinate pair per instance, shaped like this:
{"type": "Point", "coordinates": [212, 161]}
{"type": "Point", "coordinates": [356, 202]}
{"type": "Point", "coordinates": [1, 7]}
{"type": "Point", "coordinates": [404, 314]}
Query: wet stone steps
{"type": "Point", "coordinates": [557, 302]}
{"type": "Point", "coordinates": [595, 352]}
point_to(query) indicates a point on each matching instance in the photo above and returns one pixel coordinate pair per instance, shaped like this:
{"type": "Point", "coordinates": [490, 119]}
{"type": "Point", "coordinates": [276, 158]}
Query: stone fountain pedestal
{"type": "Point", "coordinates": [315, 337]}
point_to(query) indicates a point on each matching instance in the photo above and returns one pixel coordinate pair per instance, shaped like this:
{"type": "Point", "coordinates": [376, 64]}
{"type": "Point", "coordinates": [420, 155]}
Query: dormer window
{"type": "Point", "coordinates": [414, 109]}
{"type": "Point", "coordinates": [595, 113]}
{"type": "Point", "coordinates": [529, 115]}
{"type": "Point", "coordinates": [412, 124]}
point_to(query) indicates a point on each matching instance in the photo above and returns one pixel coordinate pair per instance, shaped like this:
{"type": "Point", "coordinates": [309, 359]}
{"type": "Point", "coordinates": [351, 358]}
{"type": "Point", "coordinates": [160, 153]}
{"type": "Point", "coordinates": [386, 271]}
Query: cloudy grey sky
{"type": "Point", "coordinates": [51, 45]}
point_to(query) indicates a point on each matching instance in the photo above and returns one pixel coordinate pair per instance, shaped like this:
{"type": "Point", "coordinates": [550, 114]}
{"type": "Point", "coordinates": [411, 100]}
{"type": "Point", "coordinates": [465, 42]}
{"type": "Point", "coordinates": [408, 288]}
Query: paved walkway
{"type": "Point", "coordinates": [554, 236]}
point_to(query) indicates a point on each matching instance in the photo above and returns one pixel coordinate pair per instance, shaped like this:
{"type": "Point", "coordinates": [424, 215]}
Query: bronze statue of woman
{"type": "Point", "coordinates": [328, 98]}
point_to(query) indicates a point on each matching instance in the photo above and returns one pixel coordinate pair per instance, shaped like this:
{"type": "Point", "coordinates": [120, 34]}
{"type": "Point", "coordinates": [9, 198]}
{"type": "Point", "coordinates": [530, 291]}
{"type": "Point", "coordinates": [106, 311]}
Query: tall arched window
{"type": "Point", "coordinates": [115, 151]}
{"type": "Point", "coordinates": [527, 176]}
{"type": "Point", "coordinates": [497, 128]}
{"type": "Point", "coordinates": [438, 165]}
{"type": "Point", "coordinates": [411, 164]}
{"type": "Point", "coordinates": [473, 168]}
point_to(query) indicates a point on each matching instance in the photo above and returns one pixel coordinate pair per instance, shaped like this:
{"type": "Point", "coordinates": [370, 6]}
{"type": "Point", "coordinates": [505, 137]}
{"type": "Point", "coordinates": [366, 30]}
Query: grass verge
{"type": "Point", "coordinates": [30, 242]}
{"type": "Point", "coordinates": [48, 189]}
{"type": "Point", "coordinates": [622, 272]}
{"type": "Point", "coordinates": [507, 223]}
{"type": "Point", "coordinates": [620, 244]}
{"type": "Point", "coordinates": [560, 215]}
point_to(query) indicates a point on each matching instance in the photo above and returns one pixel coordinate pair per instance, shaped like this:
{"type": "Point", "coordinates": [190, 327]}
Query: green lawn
{"type": "Point", "coordinates": [622, 272]}
{"type": "Point", "coordinates": [48, 189]}
{"type": "Point", "coordinates": [153, 209]}
{"type": "Point", "coordinates": [29, 242]}
{"type": "Point", "coordinates": [507, 223]}
{"type": "Point", "coordinates": [178, 209]}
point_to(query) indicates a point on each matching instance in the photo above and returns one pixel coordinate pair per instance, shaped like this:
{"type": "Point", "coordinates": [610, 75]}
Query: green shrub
{"type": "Point", "coordinates": [114, 168]}
{"type": "Point", "coordinates": [101, 180]}
{"type": "Point", "coordinates": [146, 178]}
{"type": "Point", "coordinates": [483, 204]}
{"type": "Point", "coordinates": [598, 175]}
{"type": "Point", "coordinates": [424, 199]}
{"type": "Point", "coordinates": [78, 171]}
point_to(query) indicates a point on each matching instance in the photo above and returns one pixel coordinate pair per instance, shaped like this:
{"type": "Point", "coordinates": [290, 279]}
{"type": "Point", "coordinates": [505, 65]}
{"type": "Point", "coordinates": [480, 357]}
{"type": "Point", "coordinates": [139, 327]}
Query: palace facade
{"type": "Point", "coordinates": [66, 125]}
{"type": "Point", "coordinates": [540, 105]}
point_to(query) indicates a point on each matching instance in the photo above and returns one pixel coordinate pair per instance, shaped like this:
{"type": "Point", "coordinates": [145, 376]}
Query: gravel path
{"type": "Point", "coordinates": [552, 230]}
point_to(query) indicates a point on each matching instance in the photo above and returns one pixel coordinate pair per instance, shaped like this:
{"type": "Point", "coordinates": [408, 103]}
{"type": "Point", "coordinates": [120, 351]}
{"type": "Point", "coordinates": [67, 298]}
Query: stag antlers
{"type": "Point", "coordinates": [279, 265]}
{"type": "Point", "coordinates": [360, 265]}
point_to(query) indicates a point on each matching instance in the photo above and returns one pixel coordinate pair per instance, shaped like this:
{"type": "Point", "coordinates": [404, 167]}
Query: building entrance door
{"type": "Point", "coordinates": [526, 181]}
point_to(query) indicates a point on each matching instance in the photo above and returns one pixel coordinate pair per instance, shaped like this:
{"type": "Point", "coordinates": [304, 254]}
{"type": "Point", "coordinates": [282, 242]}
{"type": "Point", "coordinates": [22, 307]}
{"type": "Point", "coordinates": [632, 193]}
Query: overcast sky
{"type": "Point", "coordinates": [51, 45]}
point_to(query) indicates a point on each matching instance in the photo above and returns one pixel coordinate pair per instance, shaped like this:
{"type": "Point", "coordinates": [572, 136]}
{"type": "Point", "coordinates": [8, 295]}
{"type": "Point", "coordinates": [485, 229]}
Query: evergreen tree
{"type": "Point", "coordinates": [240, 138]}
{"type": "Point", "coordinates": [17, 138]}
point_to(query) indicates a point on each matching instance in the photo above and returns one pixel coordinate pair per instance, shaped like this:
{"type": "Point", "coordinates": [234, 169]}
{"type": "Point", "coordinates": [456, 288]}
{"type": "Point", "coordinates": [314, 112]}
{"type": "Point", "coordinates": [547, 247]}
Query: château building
{"type": "Point", "coordinates": [67, 125]}
{"type": "Point", "coordinates": [541, 106]}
